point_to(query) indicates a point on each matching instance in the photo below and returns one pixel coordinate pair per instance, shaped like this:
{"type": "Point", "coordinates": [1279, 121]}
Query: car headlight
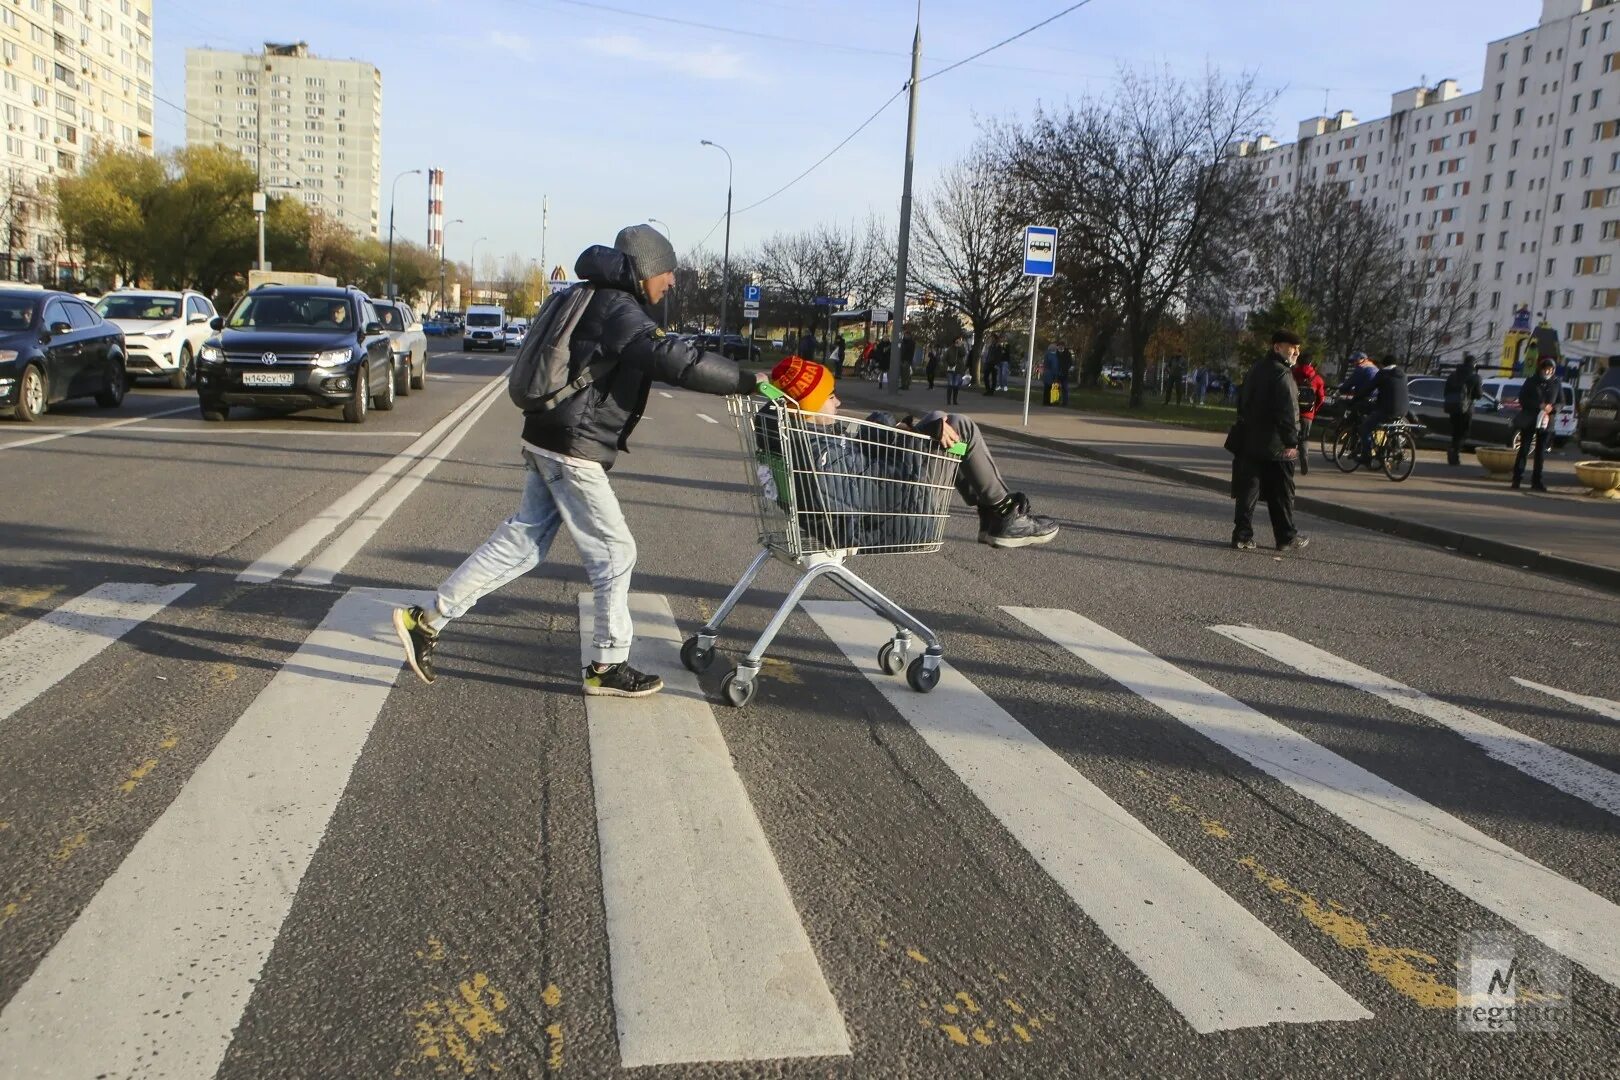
{"type": "Point", "coordinates": [7, 355]}
{"type": "Point", "coordinates": [211, 354]}
{"type": "Point", "coordinates": [333, 357]}
{"type": "Point", "coordinates": [159, 335]}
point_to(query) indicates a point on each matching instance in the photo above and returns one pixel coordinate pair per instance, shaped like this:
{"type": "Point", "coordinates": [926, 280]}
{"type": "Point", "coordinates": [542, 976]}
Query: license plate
{"type": "Point", "coordinates": [267, 378]}
{"type": "Point", "coordinates": [1603, 414]}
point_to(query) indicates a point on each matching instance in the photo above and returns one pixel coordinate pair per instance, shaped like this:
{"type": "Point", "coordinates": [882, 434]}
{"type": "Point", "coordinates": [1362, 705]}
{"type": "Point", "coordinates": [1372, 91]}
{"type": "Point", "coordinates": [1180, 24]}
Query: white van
{"type": "Point", "coordinates": [1505, 392]}
{"type": "Point", "coordinates": [484, 327]}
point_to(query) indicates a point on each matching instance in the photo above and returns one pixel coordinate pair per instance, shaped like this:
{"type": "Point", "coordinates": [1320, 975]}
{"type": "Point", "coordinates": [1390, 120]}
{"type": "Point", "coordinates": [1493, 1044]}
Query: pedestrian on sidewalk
{"type": "Point", "coordinates": [1175, 377]}
{"type": "Point", "coordinates": [955, 363]}
{"type": "Point", "coordinates": [1003, 365]}
{"type": "Point", "coordinates": [1200, 384]}
{"type": "Point", "coordinates": [931, 369]}
{"type": "Point", "coordinates": [908, 358]}
{"type": "Point", "coordinates": [880, 358]}
{"type": "Point", "coordinates": [1065, 371]}
{"type": "Point", "coordinates": [1049, 372]}
{"type": "Point", "coordinates": [567, 452]}
{"type": "Point", "coordinates": [1463, 385]}
{"type": "Point", "coordinates": [1312, 393]}
{"type": "Point", "coordinates": [1264, 444]}
{"type": "Point", "coordinates": [1538, 411]}
{"type": "Point", "coordinates": [989, 364]}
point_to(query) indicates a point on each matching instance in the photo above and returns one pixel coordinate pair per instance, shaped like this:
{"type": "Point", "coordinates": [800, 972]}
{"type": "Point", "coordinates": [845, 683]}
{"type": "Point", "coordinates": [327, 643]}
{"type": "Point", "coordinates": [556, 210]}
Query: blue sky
{"type": "Point", "coordinates": [604, 111]}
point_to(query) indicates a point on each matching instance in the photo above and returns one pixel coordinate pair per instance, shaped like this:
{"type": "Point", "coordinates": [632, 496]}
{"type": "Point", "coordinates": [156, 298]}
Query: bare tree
{"type": "Point", "coordinates": [1436, 313]}
{"type": "Point", "coordinates": [1143, 189]}
{"type": "Point", "coordinates": [967, 253]}
{"type": "Point", "coordinates": [826, 261]}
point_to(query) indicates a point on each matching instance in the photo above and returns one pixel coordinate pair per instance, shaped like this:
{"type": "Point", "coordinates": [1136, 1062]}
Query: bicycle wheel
{"type": "Point", "coordinates": [1400, 455]}
{"type": "Point", "coordinates": [1344, 450]}
{"type": "Point", "coordinates": [1325, 442]}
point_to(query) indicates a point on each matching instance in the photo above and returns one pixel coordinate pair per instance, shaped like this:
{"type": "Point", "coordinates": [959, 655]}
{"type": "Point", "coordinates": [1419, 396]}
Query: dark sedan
{"type": "Point", "coordinates": [298, 347]}
{"type": "Point", "coordinates": [1599, 430]}
{"type": "Point", "coordinates": [53, 347]}
{"type": "Point", "coordinates": [1491, 426]}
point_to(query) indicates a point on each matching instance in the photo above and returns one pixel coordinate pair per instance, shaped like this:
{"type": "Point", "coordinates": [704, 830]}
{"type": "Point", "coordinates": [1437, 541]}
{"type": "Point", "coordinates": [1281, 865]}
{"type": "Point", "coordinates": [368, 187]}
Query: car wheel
{"type": "Point", "coordinates": [354, 411]}
{"type": "Point", "coordinates": [112, 390]}
{"type": "Point", "coordinates": [419, 382]}
{"type": "Point", "coordinates": [402, 378]}
{"type": "Point", "coordinates": [214, 414]}
{"type": "Point", "coordinates": [184, 375]}
{"type": "Point", "coordinates": [384, 402]}
{"type": "Point", "coordinates": [31, 395]}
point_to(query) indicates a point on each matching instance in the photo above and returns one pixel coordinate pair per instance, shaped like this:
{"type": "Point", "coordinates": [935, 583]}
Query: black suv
{"type": "Point", "coordinates": [298, 347]}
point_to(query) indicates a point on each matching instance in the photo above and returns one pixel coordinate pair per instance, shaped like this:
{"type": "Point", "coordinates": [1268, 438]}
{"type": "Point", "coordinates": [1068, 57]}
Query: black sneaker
{"type": "Point", "coordinates": [417, 639]}
{"type": "Point", "coordinates": [620, 680]}
{"type": "Point", "coordinates": [1017, 527]}
{"type": "Point", "coordinates": [1298, 543]}
{"type": "Point", "coordinates": [1243, 545]}
{"type": "Point", "coordinates": [1539, 487]}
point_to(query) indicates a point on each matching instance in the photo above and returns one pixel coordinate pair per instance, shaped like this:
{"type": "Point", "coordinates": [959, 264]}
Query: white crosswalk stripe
{"type": "Point", "coordinates": [709, 959]}
{"type": "Point", "coordinates": [41, 654]}
{"type": "Point", "coordinates": [1559, 768]}
{"type": "Point", "coordinates": [163, 959]}
{"type": "Point", "coordinates": [1574, 920]}
{"type": "Point", "coordinates": [1217, 964]}
{"type": "Point", "coordinates": [707, 419]}
{"type": "Point", "coordinates": [1602, 706]}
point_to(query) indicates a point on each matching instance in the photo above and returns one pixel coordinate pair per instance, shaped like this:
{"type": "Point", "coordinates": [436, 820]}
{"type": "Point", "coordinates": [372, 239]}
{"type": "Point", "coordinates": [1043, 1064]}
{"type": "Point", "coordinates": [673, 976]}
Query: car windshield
{"type": "Point", "coordinates": [389, 317]}
{"type": "Point", "coordinates": [139, 307]}
{"type": "Point", "coordinates": [284, 311]}
{"type": "Point", "coordinates": [16, 314]}
{"type": "Point", "coordinates": [481, 319]}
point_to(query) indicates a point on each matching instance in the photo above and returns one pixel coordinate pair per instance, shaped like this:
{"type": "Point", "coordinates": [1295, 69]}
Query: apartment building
{"type": "Point", "coordinates": [75, 75]}
{"type": "Point", "coordinates": [309, 125]}
{"type": "Point", "coordinates": [1511, 193]}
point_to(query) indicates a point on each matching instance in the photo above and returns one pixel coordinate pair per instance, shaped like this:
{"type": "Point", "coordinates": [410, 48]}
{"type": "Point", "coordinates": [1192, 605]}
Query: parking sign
{"type": "Point", "coordinates": [751, 294]}
{"type": "Point", "coordinates": [1040, 251]}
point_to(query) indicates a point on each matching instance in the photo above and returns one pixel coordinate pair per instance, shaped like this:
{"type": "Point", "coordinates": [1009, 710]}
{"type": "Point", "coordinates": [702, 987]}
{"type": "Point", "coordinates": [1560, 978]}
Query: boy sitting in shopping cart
{"type": "Point", "coordinates": [862, 477]}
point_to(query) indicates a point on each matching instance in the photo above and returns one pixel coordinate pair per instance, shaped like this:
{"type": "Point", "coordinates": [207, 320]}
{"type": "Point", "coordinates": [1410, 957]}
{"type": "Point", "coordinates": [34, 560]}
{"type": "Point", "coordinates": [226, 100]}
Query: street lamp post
{"type": "Point", "coordinates": [671, 235]}
{"type": "Point", "coordinates": [444, 245]}
{"type": "Point", "coordinates": [474, 267]}
{"type": "Point", "coordinates": [725, 266]}
{"type": "Point", "coordinates": [393, 197]}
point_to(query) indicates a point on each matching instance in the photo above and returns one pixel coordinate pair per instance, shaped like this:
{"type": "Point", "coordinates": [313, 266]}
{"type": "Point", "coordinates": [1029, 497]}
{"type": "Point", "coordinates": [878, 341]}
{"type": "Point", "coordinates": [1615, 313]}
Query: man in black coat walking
{"type": "Point", "coordinates": [1463, 385]}
{"type": "Point", "coordinates": [1539, 399]}
{"type": "Point", "coordinates": [1265, 446]}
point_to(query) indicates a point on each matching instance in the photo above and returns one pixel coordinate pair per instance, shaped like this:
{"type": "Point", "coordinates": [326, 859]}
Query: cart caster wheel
{"type": "Point", "coordinates": [736, 692]}
{"type": "Point", "coordinates": [891, 661]}
{"type": "Point", "coordinates": [922, 679]}
{"type": "Point", "coordinates": [695, 659]}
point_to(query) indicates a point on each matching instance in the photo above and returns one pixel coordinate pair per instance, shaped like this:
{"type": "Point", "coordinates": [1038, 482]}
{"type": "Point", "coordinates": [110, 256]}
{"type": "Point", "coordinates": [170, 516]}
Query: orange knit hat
{"type": "Point", "coordinates": [805, 381]}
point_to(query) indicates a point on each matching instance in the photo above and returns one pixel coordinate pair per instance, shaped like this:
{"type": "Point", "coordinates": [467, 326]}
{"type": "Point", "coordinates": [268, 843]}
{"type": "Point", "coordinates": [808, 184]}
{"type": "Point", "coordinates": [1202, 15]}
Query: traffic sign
{"type": "Point", "coordinates": [1040, 251]}
{"type": "Point", "coordinates": [751, 294]}
{"type": "Point", "coordinates": [880, 315]}
{"type": "Point", "coordinates": [750, 309]}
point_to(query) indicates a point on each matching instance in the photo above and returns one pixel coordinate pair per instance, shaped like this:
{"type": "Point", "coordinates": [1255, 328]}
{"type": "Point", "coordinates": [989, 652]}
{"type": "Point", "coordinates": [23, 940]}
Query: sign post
{"type": "Point", "coordinates": [1040, 261]}
{"type": "Point", "coordinates": [751, 294]}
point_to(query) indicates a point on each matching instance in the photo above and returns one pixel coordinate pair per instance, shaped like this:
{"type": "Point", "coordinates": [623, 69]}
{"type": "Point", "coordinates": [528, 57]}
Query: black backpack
{"type": "Point", "coordinates": [542, 376]}
{"type": "Point", "coordinates": [1456, 387]}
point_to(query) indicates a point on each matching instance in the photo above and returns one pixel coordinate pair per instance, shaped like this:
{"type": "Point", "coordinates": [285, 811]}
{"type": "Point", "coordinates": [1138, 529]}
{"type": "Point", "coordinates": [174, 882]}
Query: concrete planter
{"type": "Point", "coordinates": [1497, 461]}
{"type": "Point", "coordinates": [1601, 477]}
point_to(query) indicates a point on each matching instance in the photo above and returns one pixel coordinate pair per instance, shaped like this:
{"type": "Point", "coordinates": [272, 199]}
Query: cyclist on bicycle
{"type": "Point", "coordinates": [1355, 392]}
{"type": "Point", "coordinates": [1389, 404]}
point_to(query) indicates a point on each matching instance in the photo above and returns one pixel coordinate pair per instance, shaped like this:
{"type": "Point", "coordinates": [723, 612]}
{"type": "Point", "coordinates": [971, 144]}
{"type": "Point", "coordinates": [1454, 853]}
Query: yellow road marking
{"type": "Point", "coordinates": [552, 996]}
{"type": "Point", "coordinates": [70, 847]}
{"type": "Point", "coordinates": [917, 956]}
{"type": "Point", "coordinates": [955, 1034]}
{"type": "Point", "coordinates": [9, 911]}
{"type": "Point", "coordinates": [554, 1033]}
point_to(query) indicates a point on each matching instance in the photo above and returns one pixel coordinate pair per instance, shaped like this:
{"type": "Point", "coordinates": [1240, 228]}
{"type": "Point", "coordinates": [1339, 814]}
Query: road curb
{"type": "Point", "coordinates": [1496, 551]}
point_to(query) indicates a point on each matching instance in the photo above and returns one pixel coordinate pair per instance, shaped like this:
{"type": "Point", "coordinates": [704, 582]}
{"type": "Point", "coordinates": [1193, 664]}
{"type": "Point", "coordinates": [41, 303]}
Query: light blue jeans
{"type": "Point", "coordinates": [556, 493]}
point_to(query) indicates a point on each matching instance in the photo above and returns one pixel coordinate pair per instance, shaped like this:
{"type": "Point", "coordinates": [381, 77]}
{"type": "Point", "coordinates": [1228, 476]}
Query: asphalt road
{"type": "Point", "coordinates": [237, 839]}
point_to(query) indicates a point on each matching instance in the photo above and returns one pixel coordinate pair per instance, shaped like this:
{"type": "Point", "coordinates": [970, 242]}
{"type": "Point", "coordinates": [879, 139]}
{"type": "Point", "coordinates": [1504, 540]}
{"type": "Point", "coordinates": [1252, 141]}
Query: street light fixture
{"type": "Point", "coordinates": [444, 245]}
{"type": "Point", "coordinates": [671, 236]}
{"type": "Point", "coordinates": [725, 271]}
{"type": "Point", "coordinates": [393, 197]}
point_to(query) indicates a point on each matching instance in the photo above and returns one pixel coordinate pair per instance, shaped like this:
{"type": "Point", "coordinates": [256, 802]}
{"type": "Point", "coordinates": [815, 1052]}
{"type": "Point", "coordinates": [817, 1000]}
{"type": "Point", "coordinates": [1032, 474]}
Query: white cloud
{"type": "Point", "coordinates": [713, 62]}
{"type": "Point", "coordinates": [516, 44]}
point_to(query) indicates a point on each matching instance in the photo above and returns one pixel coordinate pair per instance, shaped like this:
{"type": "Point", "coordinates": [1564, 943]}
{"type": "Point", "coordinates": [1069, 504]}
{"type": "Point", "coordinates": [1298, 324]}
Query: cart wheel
{"type": "Point", "coordinates": [736, 692]}
{"type": "Point", "coordinates": [694, 659]}
{"type": "Point", "coordinates": [922, 679]}
{"type": "Point", "coordinates": [891, 661]}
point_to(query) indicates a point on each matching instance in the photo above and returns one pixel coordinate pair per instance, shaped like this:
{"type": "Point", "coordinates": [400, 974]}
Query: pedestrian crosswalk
{"type": "Point", "coordinates": [709, 956]}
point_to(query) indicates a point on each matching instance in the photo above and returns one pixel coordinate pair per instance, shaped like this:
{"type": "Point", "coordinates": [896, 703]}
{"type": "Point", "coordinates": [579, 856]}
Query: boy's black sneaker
{"type": "Point", "coordinates": [417, 639]}
{"type": "Point", "coordinates": [1242, 545]}
{"type": "Point", "coordinates": [620, 680]}
{"type": "Point", "coordinates": [1014, 526]}
{"type": "Point", "coordinates": [1298, 543]}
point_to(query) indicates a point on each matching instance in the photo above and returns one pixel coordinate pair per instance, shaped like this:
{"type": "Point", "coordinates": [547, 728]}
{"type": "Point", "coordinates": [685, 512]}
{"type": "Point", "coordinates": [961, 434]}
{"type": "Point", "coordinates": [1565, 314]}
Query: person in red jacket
{"type": "Point", "coordinates": [1312, 392]}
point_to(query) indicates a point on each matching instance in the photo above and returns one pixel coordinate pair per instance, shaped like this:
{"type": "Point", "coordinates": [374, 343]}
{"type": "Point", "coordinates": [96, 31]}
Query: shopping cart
{"type": "Point", "coordinates": [827, 489]}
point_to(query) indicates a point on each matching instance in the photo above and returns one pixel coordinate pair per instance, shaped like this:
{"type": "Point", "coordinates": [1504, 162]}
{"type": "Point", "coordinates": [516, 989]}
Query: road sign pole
{"type": "Point", "coordinates": [1029, 366]}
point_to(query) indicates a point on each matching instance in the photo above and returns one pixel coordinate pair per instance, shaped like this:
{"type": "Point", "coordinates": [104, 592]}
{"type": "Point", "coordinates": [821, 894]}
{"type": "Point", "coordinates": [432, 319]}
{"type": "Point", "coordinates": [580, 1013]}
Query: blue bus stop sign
{"type": "Point", "coordinates": [1040, 251]}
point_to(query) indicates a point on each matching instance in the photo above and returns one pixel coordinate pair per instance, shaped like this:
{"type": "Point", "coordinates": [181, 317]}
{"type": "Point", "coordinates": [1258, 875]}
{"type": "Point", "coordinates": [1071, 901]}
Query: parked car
{"type": "Point", "coordinates": [409, 344]}
{"type": "Point", "coordinates": [298, 347]}
{"type": "Point", "coordinates": [736, 347]}
{"type": "Point", "coordinates": [1505, 392]}
{"type": "Point", "coordinates": [163, 331]}
{"type": "Point", "coordinates": [1491, 426]}
{"type": "Point", "coordinates": [484, 328]}
{"type": "Point", "coordinates": [435, 327]}
{"type": "Point", "coordinates": [53, 347]}
{"type": "Point", "coordinates": [1599, 428]}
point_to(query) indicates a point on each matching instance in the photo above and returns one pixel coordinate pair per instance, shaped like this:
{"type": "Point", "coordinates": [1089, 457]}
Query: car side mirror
{"type": "Point", "coordinates": [196, 318]}
{"type": "Point", "coordinates": [61, 328]}
{"type": "Point", "coordinates": [373, 328]}
{"type": "Point", "coordinates": [216, 323]}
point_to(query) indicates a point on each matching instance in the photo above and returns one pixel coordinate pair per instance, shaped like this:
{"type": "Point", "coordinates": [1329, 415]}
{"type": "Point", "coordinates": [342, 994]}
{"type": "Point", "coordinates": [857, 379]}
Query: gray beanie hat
{"type": "Point", "coordinates": [648, 249]}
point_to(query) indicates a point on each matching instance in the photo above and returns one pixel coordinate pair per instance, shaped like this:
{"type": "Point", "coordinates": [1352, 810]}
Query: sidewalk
{"type": "Point", "coordinates": [1561, 533]}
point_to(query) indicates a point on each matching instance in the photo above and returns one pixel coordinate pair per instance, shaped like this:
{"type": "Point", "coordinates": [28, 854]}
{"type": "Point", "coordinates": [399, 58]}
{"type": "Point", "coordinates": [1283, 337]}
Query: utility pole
{"type": "Point", "coordinates": [545, 223]}
{"type": "Point", "coordinates": [898, 314]}
{"type": "Point", "coordinates": [393, 198]}
{"type": "Point", "coordinates": [725, 266]}
{"type": "Point", "coordinates": [444, 243]}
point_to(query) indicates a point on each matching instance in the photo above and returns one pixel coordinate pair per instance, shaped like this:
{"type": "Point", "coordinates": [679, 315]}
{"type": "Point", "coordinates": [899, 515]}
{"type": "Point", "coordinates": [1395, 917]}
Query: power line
{"type": "Point", "coordinates": [823, 159]}
{"type": "Point", "coordinates": [712, 28]}
{"type": "Point", "coordinates": [1006, 41]}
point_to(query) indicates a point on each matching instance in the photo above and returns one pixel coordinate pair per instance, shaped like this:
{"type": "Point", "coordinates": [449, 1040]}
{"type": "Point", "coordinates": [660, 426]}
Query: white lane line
{"type": "Point", "coordinates": [66, 433]}
{"type": "Point", "coordinates": [707, 419]}
{"type": "Point", "coordinates": [1218, 966]}
{"type": "Point", "coordinates": [153, 977]}
{"type": "Point", "coordinates": [1601, 706]}
{"type": "Point", "coordinates": [1567, 772]}
{"type": "Point", "coordinates": [666, 394]}
{"type": "Point", "coordinates": [42, 653]}
{"type": "Point", "coordinates": [709, 960]}
{"type": "Point", "coordinates": [330, 562]}
{"type": "Point", "coordinates": [216, 430]}
{"type": "Point", "coordinates": [1574, 920]}
{"type": "Point", "coordinates": [285, 555]}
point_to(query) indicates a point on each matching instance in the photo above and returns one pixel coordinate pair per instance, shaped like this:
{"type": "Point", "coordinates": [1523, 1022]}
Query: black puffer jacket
{"type": "Point", "coordinates": [1269, 407]}
{"type": "Point", "coordinates": [596, 423]}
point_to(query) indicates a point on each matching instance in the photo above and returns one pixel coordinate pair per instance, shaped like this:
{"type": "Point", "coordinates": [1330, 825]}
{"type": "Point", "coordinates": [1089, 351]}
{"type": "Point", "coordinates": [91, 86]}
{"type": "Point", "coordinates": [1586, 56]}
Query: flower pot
{"type": "Point", "coordinates": [1497, 461]}
{"type": "Point", "coordinates": [1601, 477]}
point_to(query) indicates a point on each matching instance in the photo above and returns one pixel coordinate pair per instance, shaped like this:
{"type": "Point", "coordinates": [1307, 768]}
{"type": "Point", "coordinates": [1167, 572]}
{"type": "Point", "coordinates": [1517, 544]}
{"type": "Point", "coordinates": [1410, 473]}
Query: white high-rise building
{"type": "Point", "coordinates": [75, 75]}
{"type": "Point", "coordinates": [309, 125]}
{"type": "Point", "coordinates": [1515, 187]}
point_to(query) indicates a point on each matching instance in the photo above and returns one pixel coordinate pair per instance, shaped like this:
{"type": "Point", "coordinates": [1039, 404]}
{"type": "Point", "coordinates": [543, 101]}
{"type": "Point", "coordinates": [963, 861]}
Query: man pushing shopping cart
{"type": "Point", "coordinates": [829, 488]}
